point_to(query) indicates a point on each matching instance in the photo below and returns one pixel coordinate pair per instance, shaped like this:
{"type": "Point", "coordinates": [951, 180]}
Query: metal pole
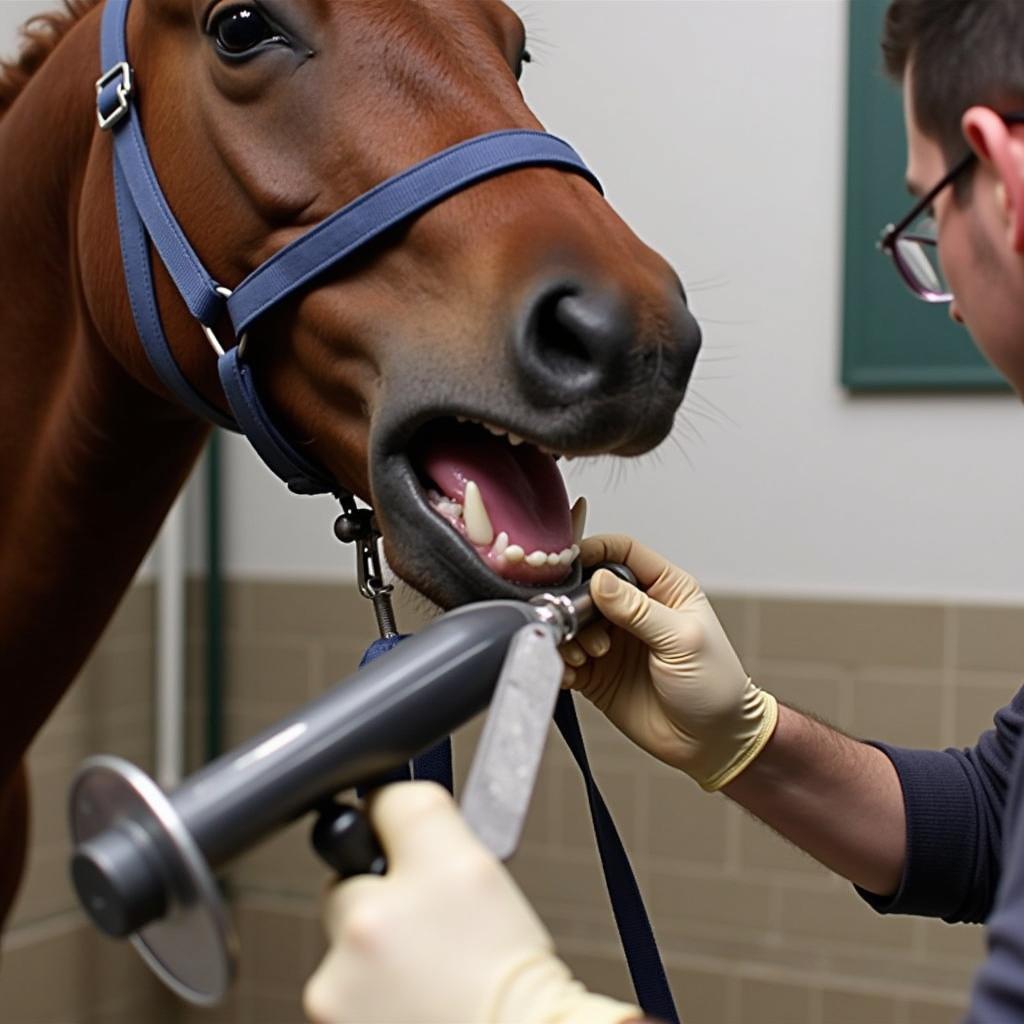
{"type": "Point", "coordinates": [214, 641]}
{"type": "Point", "coordinates": [170, 650]}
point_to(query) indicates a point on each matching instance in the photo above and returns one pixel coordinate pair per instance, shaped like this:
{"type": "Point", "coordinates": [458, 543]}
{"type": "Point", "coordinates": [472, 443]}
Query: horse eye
{"type": "Point", "coordinates": [239, 30]}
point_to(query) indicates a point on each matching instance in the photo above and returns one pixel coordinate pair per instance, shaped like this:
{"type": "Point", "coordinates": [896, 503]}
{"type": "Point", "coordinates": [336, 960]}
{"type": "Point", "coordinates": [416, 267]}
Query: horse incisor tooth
{"type": "Point", "coordinates": [579, 519]}
{"type": "Point", "coordinates": [474, 514]}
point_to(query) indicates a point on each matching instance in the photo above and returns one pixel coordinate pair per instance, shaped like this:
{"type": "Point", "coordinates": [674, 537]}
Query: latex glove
{"type": "Point", "coordinates": [444, 937]}
{"type": "Point", "coordinates": [668, 677]}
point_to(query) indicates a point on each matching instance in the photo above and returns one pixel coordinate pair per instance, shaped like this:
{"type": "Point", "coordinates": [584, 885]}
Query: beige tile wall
{"type": "Point", "coordinates": [752, 931]}
{"type": "Point", "coordinates": [54, 969]}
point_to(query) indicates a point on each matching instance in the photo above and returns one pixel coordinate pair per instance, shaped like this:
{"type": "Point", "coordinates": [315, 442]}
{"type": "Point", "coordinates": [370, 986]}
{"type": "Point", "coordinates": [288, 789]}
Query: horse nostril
{"type": "Point", "coordinates": [572, 343]}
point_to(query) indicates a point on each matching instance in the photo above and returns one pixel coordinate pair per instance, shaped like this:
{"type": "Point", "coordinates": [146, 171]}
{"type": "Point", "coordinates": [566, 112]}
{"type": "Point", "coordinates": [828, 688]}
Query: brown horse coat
{"type": "Point", "coordinates": [460, 312]}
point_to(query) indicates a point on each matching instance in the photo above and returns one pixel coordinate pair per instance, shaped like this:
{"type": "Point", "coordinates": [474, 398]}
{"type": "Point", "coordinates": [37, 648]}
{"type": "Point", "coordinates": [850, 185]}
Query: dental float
{"type": "Point", "coordinates": [144, 860]}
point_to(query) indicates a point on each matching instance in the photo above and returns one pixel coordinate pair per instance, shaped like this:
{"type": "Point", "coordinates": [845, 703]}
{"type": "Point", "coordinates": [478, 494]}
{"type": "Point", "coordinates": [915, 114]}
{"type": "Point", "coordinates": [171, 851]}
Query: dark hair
{"type": "Point", "coordinates": [960, 52]}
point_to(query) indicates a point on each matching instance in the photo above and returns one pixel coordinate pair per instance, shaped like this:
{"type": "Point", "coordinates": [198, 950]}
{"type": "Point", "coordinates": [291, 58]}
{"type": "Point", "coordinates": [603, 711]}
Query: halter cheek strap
{"type": "Point", "coordinates": [144, 216]}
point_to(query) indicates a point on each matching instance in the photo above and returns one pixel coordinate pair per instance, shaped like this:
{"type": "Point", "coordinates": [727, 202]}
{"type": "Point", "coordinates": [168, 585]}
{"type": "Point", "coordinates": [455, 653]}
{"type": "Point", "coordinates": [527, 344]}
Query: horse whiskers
{"type": "Point", "coordinates": [709, 408]}
{"type": "Point", "coordinates": [411, 601]}
{"type": "Point", "coordinates": [705, 284]}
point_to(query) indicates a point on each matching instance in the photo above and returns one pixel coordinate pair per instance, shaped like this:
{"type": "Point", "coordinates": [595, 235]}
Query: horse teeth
{"type": "Point", "coordinates": [514, 553]}
{"type": "Point", "coordinates": [513, 439]}
{"type": "Point", "coordinates": [552, 558]}
{"type": "Point", "coordinates": [537, 558]}
{"type": "Point", "coordinates": [575, 549]}
{"type": "Point", "coordinates": [478, 523]}
{"type": "Point", "coordinates": [500, 544]}
{"type": "Point", "coordinates": [565, 556]}
{"type": "Point", "coordinates": [579, 521]}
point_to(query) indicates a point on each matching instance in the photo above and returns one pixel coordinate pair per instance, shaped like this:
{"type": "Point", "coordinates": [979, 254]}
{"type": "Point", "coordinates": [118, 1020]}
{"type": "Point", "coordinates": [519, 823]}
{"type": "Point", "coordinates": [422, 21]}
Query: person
{"type": "Point", "coordinates": [446, 936]}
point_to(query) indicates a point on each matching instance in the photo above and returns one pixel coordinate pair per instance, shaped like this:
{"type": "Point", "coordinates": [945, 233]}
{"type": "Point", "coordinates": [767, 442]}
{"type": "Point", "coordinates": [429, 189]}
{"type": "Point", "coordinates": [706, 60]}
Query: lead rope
{"type": "Point", "coordinates": [358, 526]}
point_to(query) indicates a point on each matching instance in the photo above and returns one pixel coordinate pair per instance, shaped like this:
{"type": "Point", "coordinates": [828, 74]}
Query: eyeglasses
{"type": "Point", "coordinates": [913, 241]}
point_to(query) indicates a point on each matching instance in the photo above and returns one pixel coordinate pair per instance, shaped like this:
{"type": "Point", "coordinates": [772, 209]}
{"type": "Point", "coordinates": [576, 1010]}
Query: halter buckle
{"type": "Point", "coordinates": [122, 74]}
{"type": "Point", "coordinates": [212, 338]}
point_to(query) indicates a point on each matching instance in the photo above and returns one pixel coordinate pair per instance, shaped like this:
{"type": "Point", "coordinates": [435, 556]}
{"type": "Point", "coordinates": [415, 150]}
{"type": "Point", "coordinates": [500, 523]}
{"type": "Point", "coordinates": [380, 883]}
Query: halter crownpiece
{"type": "Point", "coordinates": [144, 216]}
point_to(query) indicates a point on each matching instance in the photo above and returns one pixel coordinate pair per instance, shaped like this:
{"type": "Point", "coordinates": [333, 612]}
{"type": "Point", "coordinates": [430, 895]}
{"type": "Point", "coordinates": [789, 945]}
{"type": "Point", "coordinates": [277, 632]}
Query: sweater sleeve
{"type": "Point", "coordinates": [998, 992]}
{"type": "Point", "coordinates": [954, 800]}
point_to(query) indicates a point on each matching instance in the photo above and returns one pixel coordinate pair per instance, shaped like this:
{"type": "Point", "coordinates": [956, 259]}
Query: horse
{"type": "Point", "coordinates": [437, 375]}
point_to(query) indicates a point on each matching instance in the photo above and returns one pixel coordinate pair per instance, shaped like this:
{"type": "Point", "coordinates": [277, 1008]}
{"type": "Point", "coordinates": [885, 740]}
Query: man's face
{"type": "Point", "coordinates": [984, 271]}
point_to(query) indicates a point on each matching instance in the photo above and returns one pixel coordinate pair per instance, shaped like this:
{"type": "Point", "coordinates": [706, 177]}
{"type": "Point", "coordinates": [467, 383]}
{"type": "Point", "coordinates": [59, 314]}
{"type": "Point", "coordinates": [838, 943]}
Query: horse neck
{"type": "Point", "coordinates": [90, 458]}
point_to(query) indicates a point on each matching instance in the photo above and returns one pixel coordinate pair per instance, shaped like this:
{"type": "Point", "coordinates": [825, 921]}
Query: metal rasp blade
{"type": "Point", "coordinates": [500, 783]}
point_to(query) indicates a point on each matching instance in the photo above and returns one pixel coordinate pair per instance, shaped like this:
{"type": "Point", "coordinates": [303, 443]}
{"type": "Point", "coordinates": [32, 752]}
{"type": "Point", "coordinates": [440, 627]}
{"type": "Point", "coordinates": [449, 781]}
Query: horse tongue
{"type": "Point", "coordinates": [522, 488]}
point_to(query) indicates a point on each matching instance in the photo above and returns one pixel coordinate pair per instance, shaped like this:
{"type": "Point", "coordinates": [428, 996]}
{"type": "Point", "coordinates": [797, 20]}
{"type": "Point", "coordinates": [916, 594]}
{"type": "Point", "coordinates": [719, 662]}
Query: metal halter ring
{"type": "Point", "coordinates": [121, 71]}
{"type": "Point", "coordinates": [212, 338]}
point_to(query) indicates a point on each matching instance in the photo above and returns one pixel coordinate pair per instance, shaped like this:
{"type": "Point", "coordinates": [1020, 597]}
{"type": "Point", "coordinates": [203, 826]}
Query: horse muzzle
{"type": "Point", "coordinates": [468, 487]}
{"type": "Point", "coordinates": [577, 343]}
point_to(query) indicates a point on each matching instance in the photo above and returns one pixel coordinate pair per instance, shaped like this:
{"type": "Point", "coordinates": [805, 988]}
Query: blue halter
{"type": "Point", "coordinates": [143, 216]}
{"type": "Point", "coordinates": [143, 212]}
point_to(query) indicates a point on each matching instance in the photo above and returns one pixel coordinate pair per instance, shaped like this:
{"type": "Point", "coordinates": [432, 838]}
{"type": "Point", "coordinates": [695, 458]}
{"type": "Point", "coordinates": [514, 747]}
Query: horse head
{"type": "Point", "coordinates": [441, 372]}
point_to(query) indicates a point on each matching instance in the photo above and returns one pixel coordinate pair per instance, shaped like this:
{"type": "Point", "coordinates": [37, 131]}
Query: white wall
{"type": "Point", "coordinates": [718, 131]}
{"type": "Point", "coordinates": [717, 128]}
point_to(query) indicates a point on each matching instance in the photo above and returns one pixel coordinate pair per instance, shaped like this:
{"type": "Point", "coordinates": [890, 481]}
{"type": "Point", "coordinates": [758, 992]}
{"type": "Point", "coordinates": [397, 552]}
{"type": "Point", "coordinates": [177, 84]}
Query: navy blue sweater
{"type": "Point", "coordinates": [963, 825]}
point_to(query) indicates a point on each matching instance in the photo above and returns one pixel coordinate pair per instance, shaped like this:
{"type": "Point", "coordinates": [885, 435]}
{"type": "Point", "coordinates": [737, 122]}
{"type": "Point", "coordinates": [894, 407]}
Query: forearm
{"type": "Point", "coordinates": [834, 797]}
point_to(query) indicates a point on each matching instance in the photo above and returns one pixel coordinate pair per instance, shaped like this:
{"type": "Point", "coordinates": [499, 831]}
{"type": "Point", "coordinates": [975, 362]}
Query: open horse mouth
{"type": "Point", "coordinates": [473, 509]}
{"type": "Point", "coordinates": [502, 494]}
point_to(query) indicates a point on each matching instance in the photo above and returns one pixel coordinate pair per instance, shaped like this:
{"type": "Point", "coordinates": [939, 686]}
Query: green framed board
{"type": "Point", "coordinates": [891, 341]}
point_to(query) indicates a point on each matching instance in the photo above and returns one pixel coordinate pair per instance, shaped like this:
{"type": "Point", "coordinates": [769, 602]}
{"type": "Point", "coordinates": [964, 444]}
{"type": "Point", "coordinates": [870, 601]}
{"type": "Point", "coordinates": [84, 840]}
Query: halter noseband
{"type": "Point", "coordinates": [143, 215]}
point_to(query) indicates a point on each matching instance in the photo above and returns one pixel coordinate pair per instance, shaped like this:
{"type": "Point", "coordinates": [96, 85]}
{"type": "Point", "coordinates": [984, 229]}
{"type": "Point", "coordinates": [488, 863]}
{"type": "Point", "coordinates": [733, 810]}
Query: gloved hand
{"type": "Point", "coordinates": [668, 677]}
{"type": "Point", "coordinates": [444, 937]}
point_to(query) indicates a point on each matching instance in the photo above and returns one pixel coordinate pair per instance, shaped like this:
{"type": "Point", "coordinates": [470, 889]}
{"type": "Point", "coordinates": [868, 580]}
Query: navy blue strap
{"type": "Point", "coordinates": [130, 152]}
{"type": "Point", "coordinates": [197, 288]}
{"type": "Point", "coordinates": [635, 932]}
{"type": "Point", "coordinates": [381, 646]}
{"type": "Point", "coordinates": [139, 280]}
{"type": "Point", "coordinates": [435, 765]}
{"type": "Point", "coordinates": [302, 475]}
{"type": "Point", "coordinates": [391, 202]}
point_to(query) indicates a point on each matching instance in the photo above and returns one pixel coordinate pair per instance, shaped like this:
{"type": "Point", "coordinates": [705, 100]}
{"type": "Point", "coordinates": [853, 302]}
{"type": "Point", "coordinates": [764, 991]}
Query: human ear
{"type": "Point", "coordinates": [1003, 152]}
